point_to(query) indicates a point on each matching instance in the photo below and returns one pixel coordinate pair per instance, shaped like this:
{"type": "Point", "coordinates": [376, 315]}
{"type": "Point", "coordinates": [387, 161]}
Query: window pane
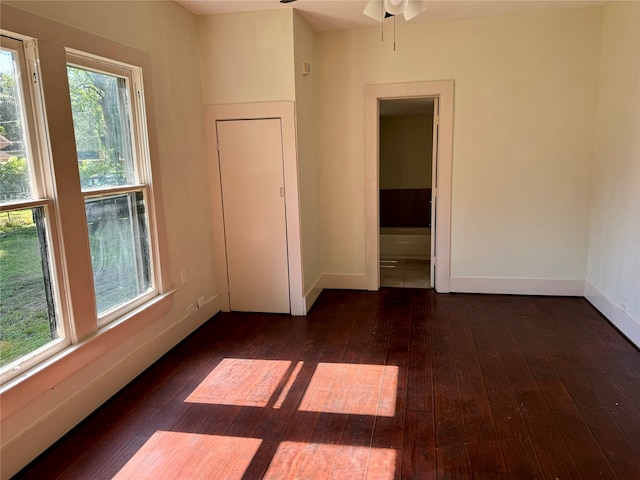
{"type": "Point", "coordinates": [102, 127]}
{"type": "Point", "coordinates": [119, 245]}
{"type": "Point", "coordinates": [27, 314]}
{"type": "Point", "coordinates": [14, 167]}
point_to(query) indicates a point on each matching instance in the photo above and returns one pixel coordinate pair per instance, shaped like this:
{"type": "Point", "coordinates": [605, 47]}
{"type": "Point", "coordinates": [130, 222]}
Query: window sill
{"type": "Point", "coordinates": [142, 314]}
{"type": "Point", "coordinates": [50, 372]}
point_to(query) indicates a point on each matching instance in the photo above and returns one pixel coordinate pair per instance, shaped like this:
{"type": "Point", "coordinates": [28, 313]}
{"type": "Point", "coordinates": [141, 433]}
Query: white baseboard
{"type": "Point", "coordinates": [312, 294]}
{"type": "Point", "coordinates": [624, 322]}
{"type": "Point", "coordinates": [517, 286]}
{"type": "Point", "coordinates": [345, 281]}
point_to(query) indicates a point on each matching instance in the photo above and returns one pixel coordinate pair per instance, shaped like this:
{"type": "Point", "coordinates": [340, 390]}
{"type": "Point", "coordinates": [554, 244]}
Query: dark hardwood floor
{"type": "Point", "coordinates": [399, 383]}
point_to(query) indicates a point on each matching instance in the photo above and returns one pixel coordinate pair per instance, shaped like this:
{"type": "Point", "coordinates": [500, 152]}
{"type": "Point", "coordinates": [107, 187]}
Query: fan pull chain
{"type": "Point", "coordinates": [394, 33]}
{"type": "Point", "coordinates": [382, 22]}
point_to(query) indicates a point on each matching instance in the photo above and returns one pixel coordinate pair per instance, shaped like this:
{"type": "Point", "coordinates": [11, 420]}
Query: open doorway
{"type": "Point", "coordinates": [407, 147]}
{"type": "Point", "coordinates": [443, 92]}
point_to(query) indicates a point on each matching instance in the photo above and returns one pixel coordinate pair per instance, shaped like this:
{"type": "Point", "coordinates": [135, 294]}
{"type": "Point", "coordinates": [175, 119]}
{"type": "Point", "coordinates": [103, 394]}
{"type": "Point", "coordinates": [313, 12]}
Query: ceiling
{"type": "Point", "coordinates": [324, 15]}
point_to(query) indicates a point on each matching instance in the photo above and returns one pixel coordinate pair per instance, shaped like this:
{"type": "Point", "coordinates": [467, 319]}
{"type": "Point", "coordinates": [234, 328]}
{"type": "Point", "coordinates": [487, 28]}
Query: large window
{"type": "Point", "coordinates": [105, 206]}
{"type": "Point", "coordinates": [29, 317]}
{"type": "Point", "coordinates": [110, 145]}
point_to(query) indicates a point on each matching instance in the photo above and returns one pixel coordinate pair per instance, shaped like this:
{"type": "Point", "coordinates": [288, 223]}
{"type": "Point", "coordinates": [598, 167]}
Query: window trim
{"type": "Point", "coordinates": [36, 129]}
{"type": "Point", "coordinates": [23, 49]}
{"type": "Point", "coordinates": [69, 244]}
{"type": "Point", "coordinates": [141, 164]}
{"type": "Point", "coordinates": [38, 157]}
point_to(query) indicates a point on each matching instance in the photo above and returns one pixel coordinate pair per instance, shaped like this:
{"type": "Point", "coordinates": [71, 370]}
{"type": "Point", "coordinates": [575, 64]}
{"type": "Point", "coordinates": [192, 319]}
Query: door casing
{"type": "Point", "coordinates": [444, 91]}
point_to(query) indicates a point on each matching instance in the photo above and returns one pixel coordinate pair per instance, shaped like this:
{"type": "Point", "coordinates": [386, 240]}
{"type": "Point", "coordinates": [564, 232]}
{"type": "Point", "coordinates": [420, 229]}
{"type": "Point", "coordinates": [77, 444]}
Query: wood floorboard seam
{"type": "Point", "coordinates": [395, 384]}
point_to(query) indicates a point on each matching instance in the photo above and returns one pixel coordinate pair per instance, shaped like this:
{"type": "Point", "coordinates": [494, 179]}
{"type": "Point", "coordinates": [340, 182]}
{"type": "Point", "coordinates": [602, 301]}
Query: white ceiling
{"type": "Point", "coordinates": [324, 15]}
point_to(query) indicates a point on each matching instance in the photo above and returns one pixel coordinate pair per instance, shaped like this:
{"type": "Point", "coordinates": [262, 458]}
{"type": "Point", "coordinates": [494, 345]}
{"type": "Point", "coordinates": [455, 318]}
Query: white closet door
{"type": "Point", "coordinates": [252, 178]}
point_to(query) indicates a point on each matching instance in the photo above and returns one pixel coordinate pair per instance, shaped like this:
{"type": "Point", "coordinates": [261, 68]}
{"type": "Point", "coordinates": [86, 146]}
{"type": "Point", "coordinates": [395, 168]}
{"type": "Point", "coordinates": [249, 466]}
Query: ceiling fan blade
{"type": "Point", "coordinates": [374, 9]}
{"type": "Point", "coordinates": [414, 8]}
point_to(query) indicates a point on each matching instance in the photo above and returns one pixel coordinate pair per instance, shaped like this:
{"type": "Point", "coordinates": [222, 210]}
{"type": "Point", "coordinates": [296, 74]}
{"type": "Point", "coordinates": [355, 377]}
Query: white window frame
{"type": "Point", "coordinates": [142, 163]}
{"type": "Point", "coordinates": [41, 178]}
{"type": "Point", "coordinates": [69, 252]}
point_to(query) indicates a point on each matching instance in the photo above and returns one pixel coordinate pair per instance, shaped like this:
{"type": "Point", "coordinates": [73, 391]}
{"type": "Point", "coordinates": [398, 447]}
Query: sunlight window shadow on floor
{"type": "Point", "coordinates": [173, 455]}
{"type": "Point", "coordinates": [312, 460]}
{"type": "Point", "coordinates": [241, 382]}
{"type": "Point", "coordinates": [285, 391]}
{"type": "Point", "coordinates": [361, 391]}
{"type": "Point", "coordinates": [352, 389]}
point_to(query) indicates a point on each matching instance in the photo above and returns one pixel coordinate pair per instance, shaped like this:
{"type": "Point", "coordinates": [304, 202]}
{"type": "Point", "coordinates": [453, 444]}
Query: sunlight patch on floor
{"type": "Point", "coordinates": [312, 460]}
{"type": "Point", "coordinates": [173, 455]}
{"type": "Point", "coordinates": [352, 389]}
{"type": "Point", "coordinates": [241, 382]}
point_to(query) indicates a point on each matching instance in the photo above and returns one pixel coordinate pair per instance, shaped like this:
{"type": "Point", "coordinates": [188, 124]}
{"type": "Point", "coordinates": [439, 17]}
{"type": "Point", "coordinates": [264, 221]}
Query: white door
{"type": "Point", "coordinates": [253, 205]}
{"type": "Point", "coordinates": [434, 190]}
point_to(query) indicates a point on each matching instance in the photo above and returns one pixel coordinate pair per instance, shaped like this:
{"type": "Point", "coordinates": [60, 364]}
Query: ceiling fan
{"type": "Point", "coordinates": [381, 9]}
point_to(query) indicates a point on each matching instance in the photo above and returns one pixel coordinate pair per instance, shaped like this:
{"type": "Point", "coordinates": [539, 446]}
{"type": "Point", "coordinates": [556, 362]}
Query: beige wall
{"type": "Point", "coordinates": [38, 410]}
{"type": "Point", "coordinates": [257, 57]}
{"type": "Point", "coordinates": [525, 94]}
{"type": "Point", "coordinates": [304, 51]}
{"type": "Point", "coordinates": [613, 274]}
{"type": "Point", "coordinates": [406, 144]}
{"type": "Point", "coordinates": [247, 57]}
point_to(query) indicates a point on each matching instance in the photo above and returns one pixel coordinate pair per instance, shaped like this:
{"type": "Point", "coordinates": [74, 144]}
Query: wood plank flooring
{"type": "Point", "coordinates": [395, 384]}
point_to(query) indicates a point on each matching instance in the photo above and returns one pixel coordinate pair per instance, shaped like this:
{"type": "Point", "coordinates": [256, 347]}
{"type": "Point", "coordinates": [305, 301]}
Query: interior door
{"type": "Point", "coordinates": [253, 205]}
{"type": "Point", "coordinates": [434, 190]}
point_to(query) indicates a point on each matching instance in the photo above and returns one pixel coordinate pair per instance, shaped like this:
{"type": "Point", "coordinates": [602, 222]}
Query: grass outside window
{"type": "Point", "coordinates": [25, 309]}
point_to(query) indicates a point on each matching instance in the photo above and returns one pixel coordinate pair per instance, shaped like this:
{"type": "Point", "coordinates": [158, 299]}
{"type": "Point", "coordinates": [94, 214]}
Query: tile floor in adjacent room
{"type": "Point", "coordinates": [404, 273]}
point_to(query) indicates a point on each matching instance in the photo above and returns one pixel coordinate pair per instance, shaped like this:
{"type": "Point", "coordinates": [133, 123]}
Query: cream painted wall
{"type": "Point", "coordinates": [525, 109]}
{"type": "Point", "coordinates": [47, 403]}
{"type": "Point", "coordinates": [257, 57]}
{"type": "Point", "coordinates": [613, 272]}
{"type": "Point", "coordinates": [525, 95]}
{"type": "Point", "coordinates": [406, 148]}
{"type": "Point", "coordinates": [304, 51]}
{"type": "Point", "coordinates": [246, 57]}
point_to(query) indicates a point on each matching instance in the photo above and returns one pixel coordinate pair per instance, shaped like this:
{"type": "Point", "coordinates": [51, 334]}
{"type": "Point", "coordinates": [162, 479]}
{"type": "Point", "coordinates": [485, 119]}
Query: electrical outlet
{"type": "Point", "coordinates": [183, 276]}
{"type": "Point", "coordinates": [200, 303]}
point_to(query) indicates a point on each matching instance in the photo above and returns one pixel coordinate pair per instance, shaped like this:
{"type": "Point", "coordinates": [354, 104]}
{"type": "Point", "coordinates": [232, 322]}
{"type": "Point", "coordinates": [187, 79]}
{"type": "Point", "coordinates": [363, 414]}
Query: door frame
{"type": "Point", "coordinates": [435, 129]}
{"type": "Point", "coordinates": [441, 189]}
{"type": "Point", "coordinates": [285, 112]}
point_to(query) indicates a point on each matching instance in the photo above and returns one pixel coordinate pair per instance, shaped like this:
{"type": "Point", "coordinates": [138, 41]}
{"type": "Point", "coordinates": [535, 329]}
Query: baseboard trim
{"type": "Point", "coordinates": [517, 286]}
{"type": "Point", "coordinates": [312, 294]}
{"type": "Point", "coordinates": [345, 281]}
{"type": "Point", "coordinates": [629, 326]}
